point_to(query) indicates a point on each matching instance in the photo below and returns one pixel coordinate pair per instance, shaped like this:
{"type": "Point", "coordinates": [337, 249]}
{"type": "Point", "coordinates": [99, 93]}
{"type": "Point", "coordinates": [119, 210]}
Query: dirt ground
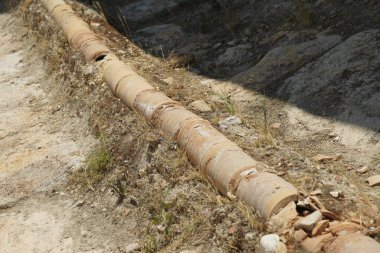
{"type": "Point", "coordinates": [58, 117]}
{"type": "Point", "coordinates": [41, 145]}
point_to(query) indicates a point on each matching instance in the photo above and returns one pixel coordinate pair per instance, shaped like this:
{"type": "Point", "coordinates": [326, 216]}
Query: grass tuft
{"type": "Point", "coordinates": [96, 165]}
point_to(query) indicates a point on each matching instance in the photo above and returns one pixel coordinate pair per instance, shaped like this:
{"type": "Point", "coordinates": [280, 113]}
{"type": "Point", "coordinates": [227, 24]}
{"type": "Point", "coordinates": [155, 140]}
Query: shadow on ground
{"type": "Point", "coordinates": [2, 7]}
{"type": "Point", "coordinates": [321, 56]}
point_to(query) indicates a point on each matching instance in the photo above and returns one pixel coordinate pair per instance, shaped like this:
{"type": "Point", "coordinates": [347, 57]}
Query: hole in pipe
{"type": "Point", "coordinates": [100, 57]}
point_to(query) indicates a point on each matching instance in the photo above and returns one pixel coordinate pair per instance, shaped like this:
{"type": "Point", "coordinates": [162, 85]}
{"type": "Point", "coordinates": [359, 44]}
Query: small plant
{"type": "Point", "coordinates": [150, 245]}
{"type": "Point", "coordinates": [119, 189]}
{"type": "Point", "coordinates": [96, 164]}
{"type": "Point", "coordinates": [229, 105]}
{"type": "Point", "coordinates": [99, 160]}
{"type": "Point", "coordinates": [266, 137]}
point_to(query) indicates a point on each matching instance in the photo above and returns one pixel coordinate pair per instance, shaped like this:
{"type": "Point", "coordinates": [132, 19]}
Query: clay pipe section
{"type": "Point", "coordinates": [353, 243]}
{"type": "Point", "coordinates": [230, 169]}
{"type": "Point", "coordinates": [78, 33]}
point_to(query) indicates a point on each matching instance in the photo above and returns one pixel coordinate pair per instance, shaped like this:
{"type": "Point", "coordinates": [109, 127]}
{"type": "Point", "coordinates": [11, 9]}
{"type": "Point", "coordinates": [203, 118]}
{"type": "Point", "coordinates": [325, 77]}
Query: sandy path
{"type": "Point", "coordinates": [40, 145]}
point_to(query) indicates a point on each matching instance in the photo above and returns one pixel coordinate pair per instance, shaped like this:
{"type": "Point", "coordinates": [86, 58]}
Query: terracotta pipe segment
{"type": "Point", "coordinates": [52, 4]}
{"type": "Point", "coordinates": [353, 243]}
{"type": "Point", "coordinates": [222, 160]}
{"type": "Point", "coordinates": [94, 50]}
{"type": "Point", "coordinates": [197, 144]}
{"type": "Point", "coordinates": [266, 192]}
{"type": "Point", "coordinates": [79, 35]}
{"type": "Point", "coordinates": [170, 118]}
{"type": "Point", "coordinates": [148, 102]}
{"type": "Point", "coordinates": [130, 87]}
{"type": "Point", "coordinates": [123, 81]}
{"type": "Point", "coordinates": [114, 70]}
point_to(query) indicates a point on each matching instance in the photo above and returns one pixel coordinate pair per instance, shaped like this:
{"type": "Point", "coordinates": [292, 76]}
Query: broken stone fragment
{"type": "Point", "coordinates": [374, 180]}
{"type": "Point", "coordinates": [315, 244]}
{"type": "Point", "coordinates": [322, 158]}
{"type": "Point", "coordinates": [230, 121]}
{"type": "Point", "coordinates": [271, 244]}
{"type": "Point", "coordinates": [362, 170]}
{"type": "Point", "coordinates": [320, 227]}
{"type": "Point", "coordinates": [317, 202]}
{"type": "Point", "coordinates": [300, 235]}
{"type": "Point", "coordinates": [307, 223]}
{"type": "Point", "coordinates": [6, 202]}
{"type": "Point", "coordinates": [336, 194]}
{"type": "Point", "coordinates": [316, 192]}
{"type": "Point", "coordinates": [281, 221]}
{"type": "Point", "coordinates": [169, 80]}
{"type": "Point", "coordinates": [329, 215]}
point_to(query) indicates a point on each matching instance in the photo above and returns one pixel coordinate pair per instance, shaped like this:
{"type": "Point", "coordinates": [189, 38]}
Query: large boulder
{"type": "Point", "coordinates": [160, 38]}
{"type": "Point", "coordinates": [142, 10]}
{"type": "Point", "coordinates": [279, 62]}
{"type": "Point", "coordinates": [234, 55]}
{"type": "Point", "coordinates": [344, 82]}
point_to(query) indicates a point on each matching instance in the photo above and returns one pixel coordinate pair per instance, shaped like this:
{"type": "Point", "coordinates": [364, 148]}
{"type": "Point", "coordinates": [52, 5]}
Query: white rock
{"type": "Point", "coordinates": [161, 228]}
{"type": "Point", "coordinates": [230, 121]}
{"type": "Point", "coordinates": [132, 247]}
{"type": "Point", "coordinates": [271, 244]}
{"type": "Point", "coordinates": [169, 80]}
{"type": "Point", "coordinates": [362, 170]}
{"type": "Point", "coordinates": [250, 236]}
{"type": "Point", "coordinates": [336, 194]}
{"type": "Point", "coordinates": [307, 223]}
{"type": "Point", "coordinates": [6, 202]}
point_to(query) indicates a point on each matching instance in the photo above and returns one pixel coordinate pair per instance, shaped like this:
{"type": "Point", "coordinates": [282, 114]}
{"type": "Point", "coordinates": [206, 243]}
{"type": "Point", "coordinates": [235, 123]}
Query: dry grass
{"type": "Point", "coordinates": [95, 167]}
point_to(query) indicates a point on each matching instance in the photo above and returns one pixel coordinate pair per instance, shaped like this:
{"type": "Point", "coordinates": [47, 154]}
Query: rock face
{"type": "Point", "coordinates": [344, 82]}
{"type": "Point", "coordinates": [281, 61]}
{"type": "Point", "coordinates": [141, 10]}
{"type": "Point", "coordinates": [160, 37]}
{"type": "Point", "coordinates": [230, 121]}
{"type": "Point", "coordinates": [234, 55]}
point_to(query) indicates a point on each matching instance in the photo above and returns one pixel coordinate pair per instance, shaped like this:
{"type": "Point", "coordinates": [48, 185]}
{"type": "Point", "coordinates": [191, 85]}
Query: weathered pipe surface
{"type": "Point", "coordinates": [353, 243]}
{"type": "Point", "coordinates": [78, 33]}
{"type": "Point", "coordinates": [229, 168]}
{"type": "Point", "coordinates": [51, 4]}
{"type": "Point", "coordinates": [222, 161]}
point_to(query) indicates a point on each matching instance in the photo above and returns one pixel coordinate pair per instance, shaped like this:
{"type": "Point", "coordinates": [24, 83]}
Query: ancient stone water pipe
{"type": "Point", "coordinates": [229, 168]}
